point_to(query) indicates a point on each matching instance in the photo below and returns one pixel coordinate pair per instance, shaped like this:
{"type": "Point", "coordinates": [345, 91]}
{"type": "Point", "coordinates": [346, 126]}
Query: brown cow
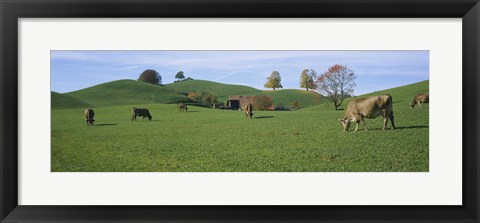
{"type": "Point", "coordinates": [248, 109]}
{"type": "Point", "coordinates": [369, 107]}
{"type": "Point", "coordinates": [142, 112]}
{"type": "Point", "coordinates": [419, 99]}
{"type": "Point", "coordinates": [89, 114]}
{"type": "Point", "coordinates": [182, 107]}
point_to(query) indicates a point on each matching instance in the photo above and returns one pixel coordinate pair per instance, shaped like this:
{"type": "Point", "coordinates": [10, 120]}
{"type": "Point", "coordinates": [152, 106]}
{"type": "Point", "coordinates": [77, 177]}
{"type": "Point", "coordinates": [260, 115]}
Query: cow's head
{"type": "Point", "coordinates": [150, 118]}
{"type": "Point", "coordinates": [345, 123]}
{"type": "Point", "coordinates": [411, 105]}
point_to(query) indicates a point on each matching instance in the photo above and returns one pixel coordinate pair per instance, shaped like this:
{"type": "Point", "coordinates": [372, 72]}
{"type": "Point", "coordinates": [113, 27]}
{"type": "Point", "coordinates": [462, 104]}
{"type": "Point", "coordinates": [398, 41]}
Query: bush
{"type": "Point", "coordinates": [204, 98]}
{"type": "Point", "coordinates": [295, 105]}
{"type": "Point", "coordinates": [262, 102]}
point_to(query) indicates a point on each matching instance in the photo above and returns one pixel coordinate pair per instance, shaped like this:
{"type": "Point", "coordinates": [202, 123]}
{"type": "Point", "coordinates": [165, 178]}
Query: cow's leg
{"type": "Point", "coordinates": [356, 125]}
{"type": "Point", "coordinates": [385, 122]}
{"type": "Point", "coordinates": [391, 120]}
{"type": "Point", "coordinates": [87, 122]}
{"type": "Point", "coordinates": [364, 123]}
{"type": "Point", "coordinates": [385, 119]}
{"type": "Point", "coordinates": [420, 105]}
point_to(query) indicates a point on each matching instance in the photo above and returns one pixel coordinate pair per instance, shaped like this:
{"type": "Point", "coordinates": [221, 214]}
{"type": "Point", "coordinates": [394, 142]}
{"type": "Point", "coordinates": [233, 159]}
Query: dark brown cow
{"type": "Point", "coordinates": [248, 109]}
{"type": "Point", "coordinates": [369, 107]}
{"type": "Point", "coordinates": [142, 112]}
{"type": "Point", "coordinates": [89, 114]}
{"type": "Point", "coordinates": [419, 99]}
{"type": "Point", "coordinates": [182, 107]}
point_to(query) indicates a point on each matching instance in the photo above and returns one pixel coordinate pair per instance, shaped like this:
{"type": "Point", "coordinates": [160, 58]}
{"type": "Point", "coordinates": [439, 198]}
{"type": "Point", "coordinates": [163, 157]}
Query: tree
{"type": "Point", "coordinates": [274, 80]}
{"type": "Point", "coordinates": [179, 75]}
{"type": "Point", "coordinates": [150, 76]}
{"type": "Point", "coordinates": [307, 79]}
{"type": "Point", "coordinates": [336, 84]}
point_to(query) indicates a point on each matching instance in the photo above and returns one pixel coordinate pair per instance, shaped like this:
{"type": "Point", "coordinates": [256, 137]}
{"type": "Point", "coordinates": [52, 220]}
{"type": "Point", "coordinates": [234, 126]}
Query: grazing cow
{"type": "Point", "coordinates": [89, 114]}
{"type": "Point", "coordinates": [182, 107]}
{"type": "Point", "coordinates": [419, 99]}
{"type": "Point", "coordinates": [248, 109]}
{"type": "Point", "coordinates": [369, 107]}
{"type": "Point", "coordinates": [142, 112]}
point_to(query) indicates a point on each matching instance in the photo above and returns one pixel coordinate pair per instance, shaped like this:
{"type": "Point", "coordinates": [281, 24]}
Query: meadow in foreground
{"type": "Point", "coordinates": [208, 140]}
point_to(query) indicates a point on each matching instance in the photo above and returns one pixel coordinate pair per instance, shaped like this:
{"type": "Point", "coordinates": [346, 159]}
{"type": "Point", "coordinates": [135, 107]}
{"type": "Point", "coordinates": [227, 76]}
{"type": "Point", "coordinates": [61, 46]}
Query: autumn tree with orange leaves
{"type": "Point", "coordinates": [336, 84]}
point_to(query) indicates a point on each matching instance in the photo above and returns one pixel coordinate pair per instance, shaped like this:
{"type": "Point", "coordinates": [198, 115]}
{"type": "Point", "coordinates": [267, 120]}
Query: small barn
{"type": "Point", "coordinates": [236, 102]}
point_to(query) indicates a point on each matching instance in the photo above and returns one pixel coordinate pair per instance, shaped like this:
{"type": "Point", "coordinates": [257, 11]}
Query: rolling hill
{"type": "Point", "coordinates": [286, 97]}
{"type": "Point", "coordinates": [127, 92]}
{"type": "Point", "coordinates": [60, 101]}
{"type": "Point", "coordinates": [280, 97]}
{"type": "Point", "coordinates": [131, 92]}
{"type": "Point", "coordinates": [218, 89]}
{"type": "Point", "coordinates": [401, 95]}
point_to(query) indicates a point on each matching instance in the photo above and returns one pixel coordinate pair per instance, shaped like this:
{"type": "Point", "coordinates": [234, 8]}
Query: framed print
{"type": "Point", "coordinates": [239, 111]}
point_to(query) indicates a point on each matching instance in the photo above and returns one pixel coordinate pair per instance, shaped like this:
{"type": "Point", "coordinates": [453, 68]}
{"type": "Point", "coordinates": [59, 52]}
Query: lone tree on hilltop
{"type": "Point", "coordinates": [336, 84]}
{"type": "Point", "coordinates": [307, 79]}
{"type": "Point", "coordinates": [179, 75]}
{"type": "Point", "coordinates": [273, 81]}
{"type": "Point", "coordinates": [150, 76]}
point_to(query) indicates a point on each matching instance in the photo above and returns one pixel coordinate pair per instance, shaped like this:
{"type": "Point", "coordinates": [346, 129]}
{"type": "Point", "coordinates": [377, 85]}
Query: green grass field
{"type": "Point", "coordinates": [208, 140]}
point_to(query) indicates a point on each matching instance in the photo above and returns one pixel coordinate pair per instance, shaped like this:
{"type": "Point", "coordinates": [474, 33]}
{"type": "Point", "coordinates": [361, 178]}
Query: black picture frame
{"type": "Point", "coordinates": [11, 11]}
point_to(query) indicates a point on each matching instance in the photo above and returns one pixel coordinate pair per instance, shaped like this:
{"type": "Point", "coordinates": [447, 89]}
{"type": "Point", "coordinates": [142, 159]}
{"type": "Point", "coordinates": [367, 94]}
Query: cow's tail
{"type": "Point", "coordinates": [390, 104]}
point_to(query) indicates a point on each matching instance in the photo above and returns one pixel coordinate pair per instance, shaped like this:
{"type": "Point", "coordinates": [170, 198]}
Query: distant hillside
{"type": "Point", "coordinates": [218, 89]}
{"type": "Point", "coordinates": [60, 101]}
{"type": "Point", "coordinates": [404, 93]}
{"type": "Point", "coordinates": [287, 96]}
{"type": "Point", "coordinates": [401, 95]}
{"type": "Point", "coordinates": [127, 92]}
{"type": "Point", "coordinates": [222, 91]}
{"type": "Point", "coordinates": [131, 92]}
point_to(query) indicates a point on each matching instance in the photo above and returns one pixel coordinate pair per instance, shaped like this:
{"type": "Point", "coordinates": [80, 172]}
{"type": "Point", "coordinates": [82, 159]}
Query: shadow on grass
{"type": "Point", "coordinates": [360, 128]}
{"type": "Point", "coordinates": [192, 111]}
{"type": "Point", "coordinates": [106, 124]}
{"type": "Point", "coordinates": [412, 127]}
{"type": "Point", "coordinates": [264, 117]}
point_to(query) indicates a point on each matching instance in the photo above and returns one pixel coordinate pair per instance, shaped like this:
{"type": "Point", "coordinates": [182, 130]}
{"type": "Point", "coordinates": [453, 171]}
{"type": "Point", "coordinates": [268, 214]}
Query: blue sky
{"type": "Point", "coordinates": [375, 70]}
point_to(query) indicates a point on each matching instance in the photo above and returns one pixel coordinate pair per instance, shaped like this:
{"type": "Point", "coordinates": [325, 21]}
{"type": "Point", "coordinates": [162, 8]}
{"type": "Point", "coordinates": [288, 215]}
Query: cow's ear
{"type": "Point", "coordinates": [340, 119]}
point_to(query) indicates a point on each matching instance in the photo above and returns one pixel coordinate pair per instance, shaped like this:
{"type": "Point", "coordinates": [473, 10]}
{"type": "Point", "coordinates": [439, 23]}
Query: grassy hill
{"type": "Point", "coordinates": [401, 96]}
{"type": "Point", "coordinates": [282, 96]}
{"type": "Point", "coordinates": [130, 92]}
{"type": "Point", "coordinates": [218, 89]}
{"type": "Point", "coordinates": [60, 101]}
{"type": "Point", "coordinates": [127, 92]}
{"type": "Point", "coordinates": [287, 96]}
